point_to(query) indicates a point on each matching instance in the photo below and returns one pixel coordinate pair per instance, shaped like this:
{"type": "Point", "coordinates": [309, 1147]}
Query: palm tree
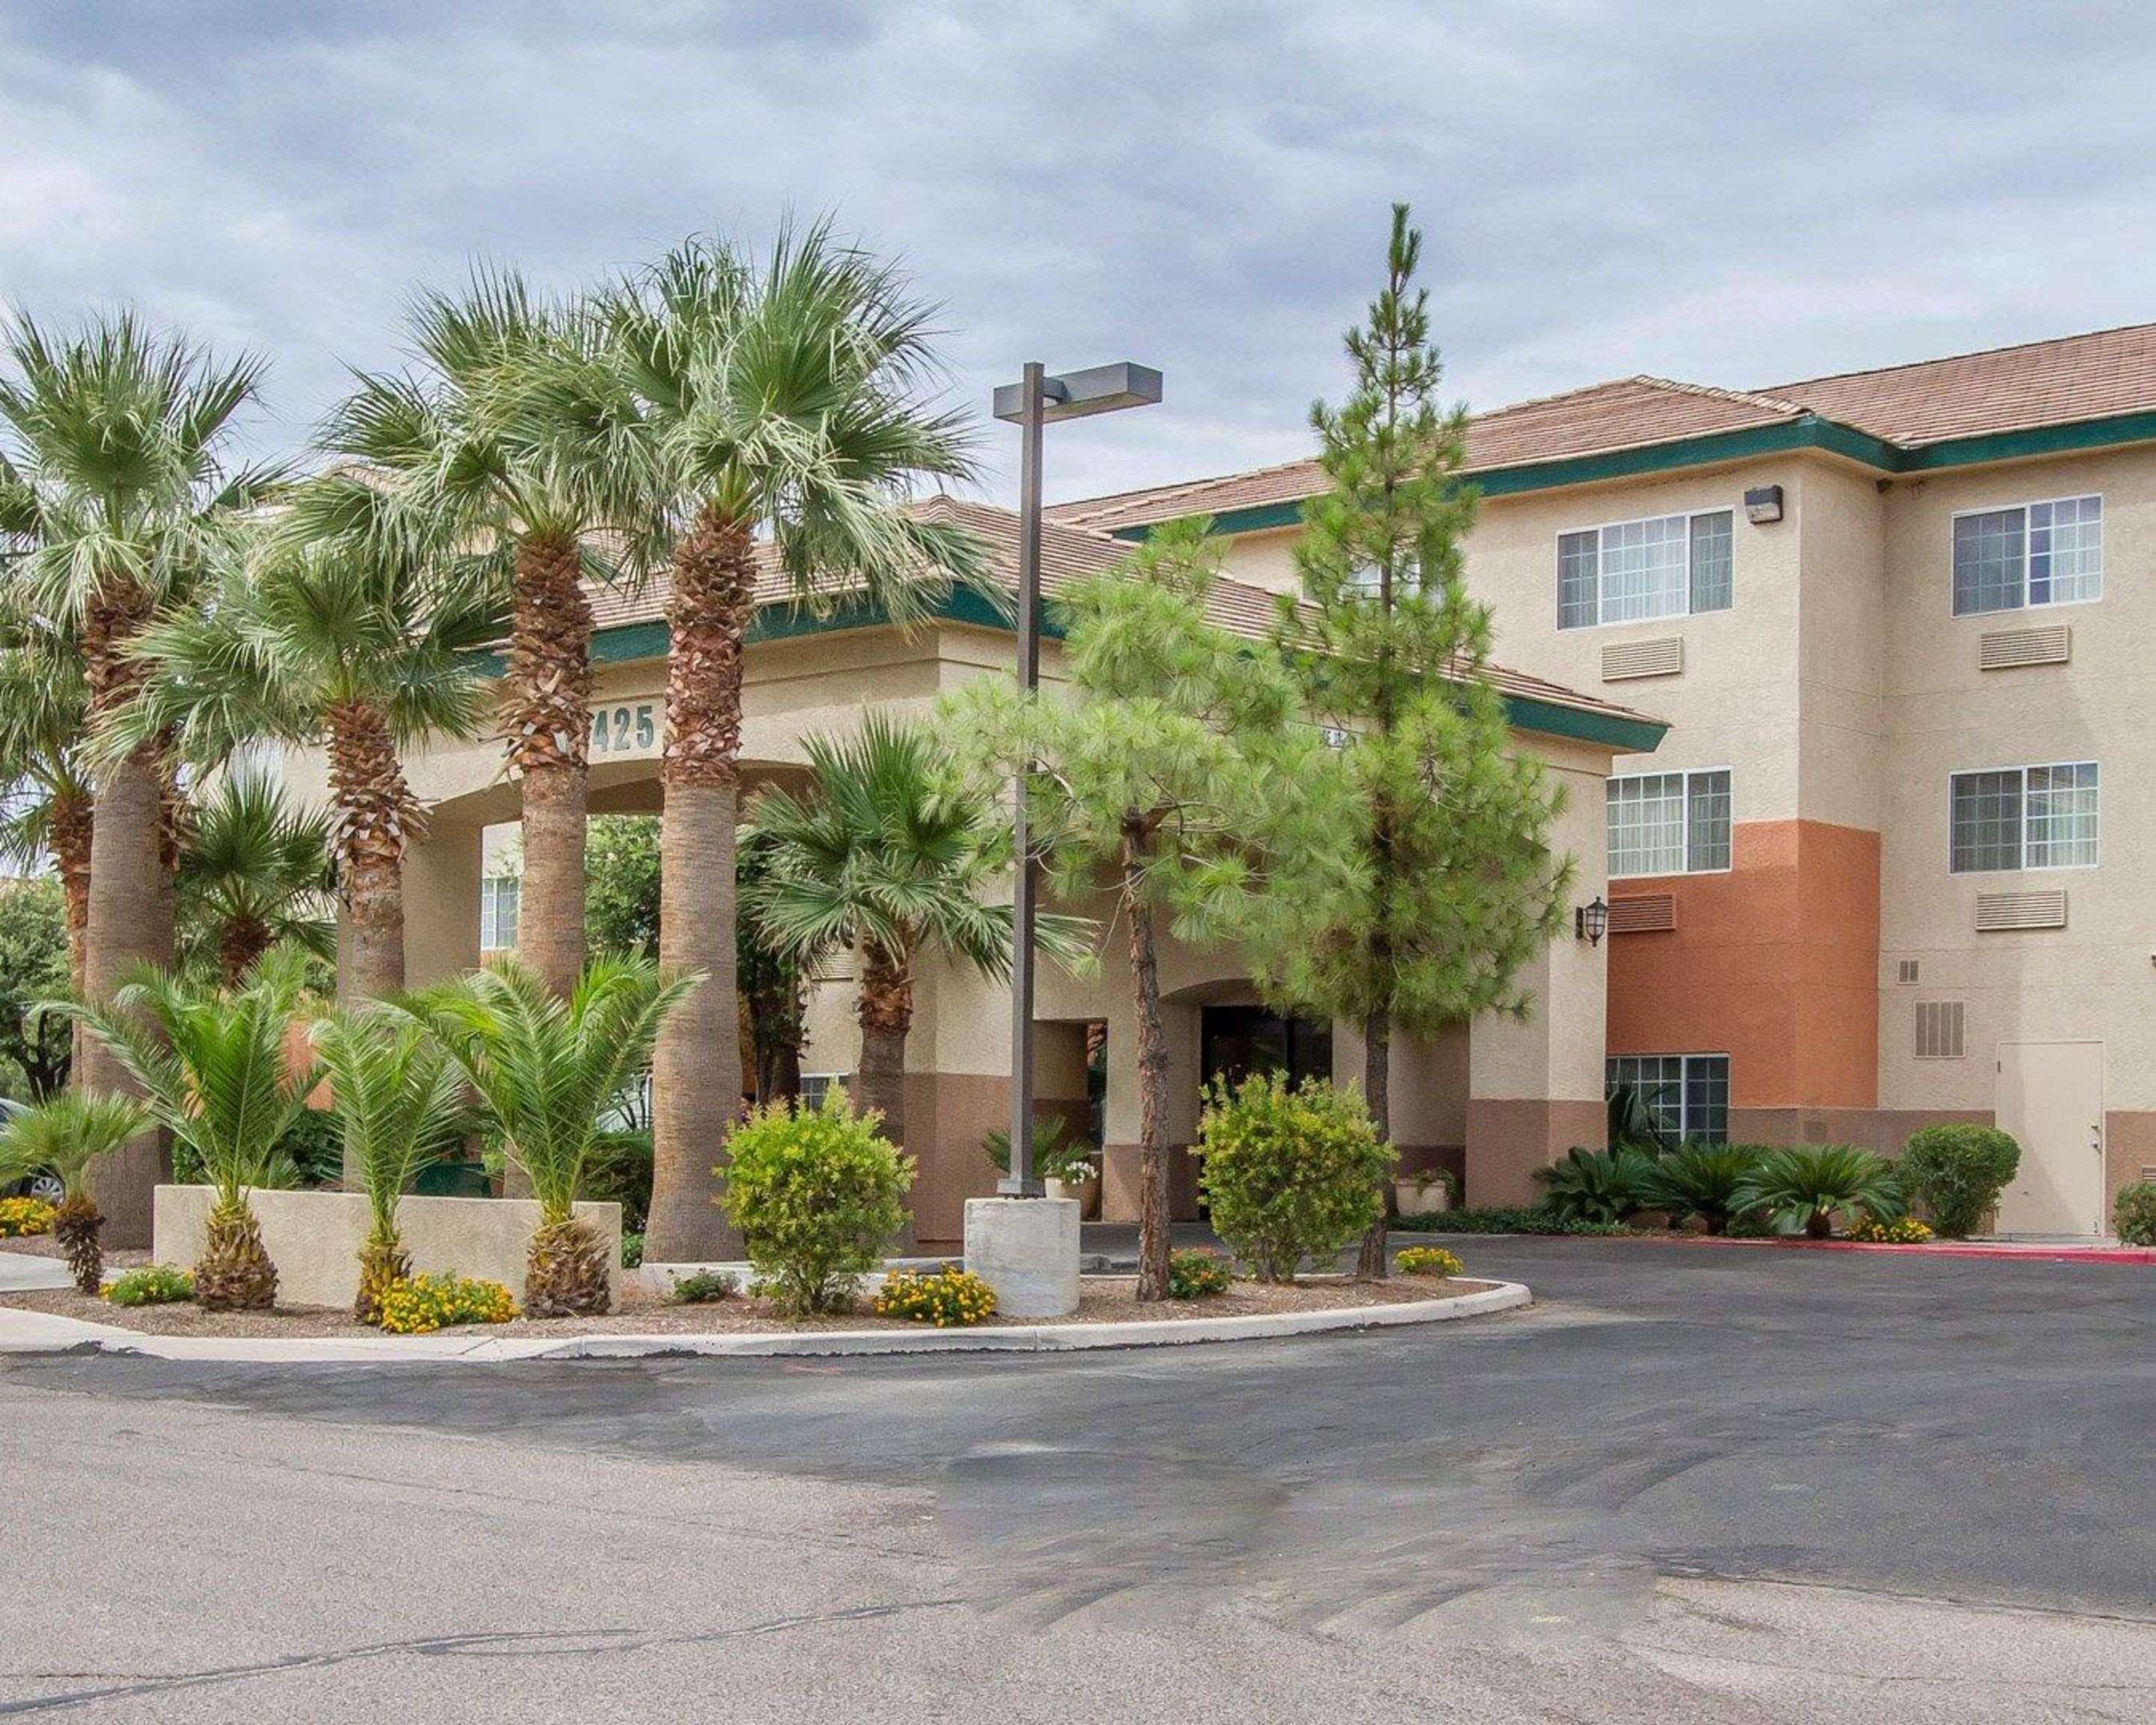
{"type": "Point", "coordinates": [65, 1134]}
{"type": "Point", "coordinates": [400, 1099]}
{"type": "Point", "coordinates": [117, 490]}
{"type": "Point", "coordinates": [212, 1066]}
{"type": "Point", "coordinates": [544, 1069]}
{"type": "Point", "coordinates": [254, 872]}
{"type": "Point", "coordinates": [785, 404]}
{"type": "Point", "coordinates": [515, 457]}
{"type": "Point", "coordinates": [50, 807]}
{"type": "Point", "coordinates": [338, 644]}
{"type": "Point", "coordinates": [877, 858]}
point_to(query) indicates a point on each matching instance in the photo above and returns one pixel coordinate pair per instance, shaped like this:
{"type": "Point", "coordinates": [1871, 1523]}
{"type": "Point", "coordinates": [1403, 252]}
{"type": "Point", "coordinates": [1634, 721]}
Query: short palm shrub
{"type": "Point", "coordinates": [399, 1099]}
{"type": "Point", "coordinates": [1957, 1172]}
{"type": "Point", "coordinates": [1697, 1179]}
{"type": "Point", "coordinates": [1603, 1186]}
{"type": "Point", "coordinates": [1197, 1276]}
{"type": "Point", "coordinates": [151, 1285]}
{"type": "Point", "coordinates": [66, 1135]}
{"type": "Point", "coordinates": [1429, 1260]}
{"type": "Point", "coordinates": [212, 1065]}
{"type": "Point", "coordinates": [1803, 1186]}
{"type": "Point", "coordinates": [632, 1249]}
{"type": "Point", "coordinates": [703, 1287]}
{"type": "Point", "coordinates": [817, 1194]}
{"type": "Point", "coordinates": [1897, 1230]}
{"type": "Point", "coordinates": [949, 1298]}
{"type": "Point", "coordinates": [25, 1218]}
{"type": "Point", "coordinates": [1057, 1155]}
{"type": "Point", "coordinates": [544, 1069]}
{"type": "Point", "coordinates": [419, 1305]}
{"type": "Point", "coordinates": [2133, 1214]}
{"type": "Point", "coordinates": [1290, 1172]}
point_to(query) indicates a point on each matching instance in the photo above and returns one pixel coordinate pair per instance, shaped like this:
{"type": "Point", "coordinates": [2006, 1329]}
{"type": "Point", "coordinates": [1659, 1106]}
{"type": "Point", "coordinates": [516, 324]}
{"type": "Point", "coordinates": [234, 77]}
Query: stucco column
{"type": "Point", "coordinates": [441, 901]}
{"type": "Point", "coordinates": [1121, 1157]}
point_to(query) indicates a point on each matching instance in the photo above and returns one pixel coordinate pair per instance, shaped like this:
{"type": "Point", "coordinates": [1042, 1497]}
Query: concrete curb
{"type": "Point", "coordinates": [22, 1332]}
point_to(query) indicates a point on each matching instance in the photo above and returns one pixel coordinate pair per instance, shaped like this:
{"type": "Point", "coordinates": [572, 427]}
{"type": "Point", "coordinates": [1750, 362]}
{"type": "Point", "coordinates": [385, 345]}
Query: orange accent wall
{"type": "Point", "coordinates": [1776, 962]}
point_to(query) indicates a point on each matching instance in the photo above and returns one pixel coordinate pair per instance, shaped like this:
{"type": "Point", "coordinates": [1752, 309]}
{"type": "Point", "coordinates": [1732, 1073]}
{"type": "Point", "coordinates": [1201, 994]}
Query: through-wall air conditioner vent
{"type": "Point", "coordinates": [2008, 649]}
{"type": "Point", "coordinates": [1941, 1030]}
{"type": "Point", "coordinates": [2000, 912]}
{"type": "Point", "coordinates": [1907, 973]}
{"type": "Point", "coordinates": [1627, 660]}
{"type": "Point", "coordinates": [1643, 913]}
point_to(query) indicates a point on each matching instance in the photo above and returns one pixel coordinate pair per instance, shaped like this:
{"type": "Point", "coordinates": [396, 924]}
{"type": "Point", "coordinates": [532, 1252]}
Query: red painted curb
{"type": "Point", "coordinates": [1943, 1249]}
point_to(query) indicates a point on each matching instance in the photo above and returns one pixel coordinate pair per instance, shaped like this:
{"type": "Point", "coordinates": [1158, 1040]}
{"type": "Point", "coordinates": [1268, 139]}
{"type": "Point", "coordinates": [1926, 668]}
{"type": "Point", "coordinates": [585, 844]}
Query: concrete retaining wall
{"type": "Point", "coordinates": [314, 1238]}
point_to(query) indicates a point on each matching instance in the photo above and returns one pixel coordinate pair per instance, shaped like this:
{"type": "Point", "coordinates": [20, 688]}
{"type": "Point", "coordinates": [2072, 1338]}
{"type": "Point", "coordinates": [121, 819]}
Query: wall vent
{"type": "Point", "coordinates": [1940, 1029]}
{"type": "Point", "coordinates": [1998, 911]}
{"type": "Point", "coordinates": [1643, 913]}
{"type": "Point", "coordinates": [2009, 648]}
{"type": "Point", "coordinates": [1627, 660]}
{"type": "Point", "coordinates": [1908, 972]}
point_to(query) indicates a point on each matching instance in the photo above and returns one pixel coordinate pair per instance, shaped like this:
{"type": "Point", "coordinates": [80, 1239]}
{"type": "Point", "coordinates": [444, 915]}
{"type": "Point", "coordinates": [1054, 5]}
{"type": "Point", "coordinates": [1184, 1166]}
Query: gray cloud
{"type": "Point", "coordinates": [1738, 195]}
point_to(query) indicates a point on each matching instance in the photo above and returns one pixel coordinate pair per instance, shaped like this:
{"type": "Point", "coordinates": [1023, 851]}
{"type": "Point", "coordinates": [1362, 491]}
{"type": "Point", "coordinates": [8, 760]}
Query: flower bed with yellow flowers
{"type": "Point", "coordinates": [419, 1304]}
{"type": "Point", "coordinates": [21, 1217]}
{"type": "Point", "coordinates": [1903, 1230]}
{"type": "Point", "coordinates": [1429, 1260]}
{"type": "Point", "coordinates": [943, 1298]}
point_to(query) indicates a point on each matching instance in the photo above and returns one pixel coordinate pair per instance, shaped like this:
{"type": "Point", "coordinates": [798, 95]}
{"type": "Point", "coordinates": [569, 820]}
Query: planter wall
{"type": "Point", "coordinates": [314, 1238]}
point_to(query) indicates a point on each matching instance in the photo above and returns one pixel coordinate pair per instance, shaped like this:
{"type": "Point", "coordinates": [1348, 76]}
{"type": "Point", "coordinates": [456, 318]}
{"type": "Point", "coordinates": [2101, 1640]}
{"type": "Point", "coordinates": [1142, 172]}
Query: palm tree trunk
{"type": "Point", "coordinates": [129, 914]}
{"type": "Point", "coordinates": [240, 942]}
{"type": "Point", "coordinates": [1377, 1092]}
{"type": "Point", "coordinates": [1154, 1235]}
{"type": "Point", "coordinates": [547, 723]}
{"type": "Point", "coordinates": [775, 1014]}
{"type": "Point", "coordinates": [886, 1015]}
{"type": "Point", "coordinates": [74, 821]}
{"type": "Point", "coordinates": [375, 814]}
{"type": "Point", "coordinates": [695, 1069]}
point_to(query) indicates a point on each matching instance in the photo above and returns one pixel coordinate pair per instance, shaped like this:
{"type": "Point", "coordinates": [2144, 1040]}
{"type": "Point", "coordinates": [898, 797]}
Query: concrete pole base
{"type": "Point", "coordinates": [1026, 1249]}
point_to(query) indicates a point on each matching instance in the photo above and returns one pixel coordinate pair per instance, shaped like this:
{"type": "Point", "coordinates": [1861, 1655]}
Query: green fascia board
{"type": "Point", "coordinates": [2044, 440]}
{"type": "Point", "coordinates": [1627, 736]}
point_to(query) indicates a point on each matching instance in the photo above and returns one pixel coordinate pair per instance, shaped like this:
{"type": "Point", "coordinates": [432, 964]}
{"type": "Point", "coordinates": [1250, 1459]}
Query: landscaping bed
{"type": "Point", "coordinates": [1104, 1300]}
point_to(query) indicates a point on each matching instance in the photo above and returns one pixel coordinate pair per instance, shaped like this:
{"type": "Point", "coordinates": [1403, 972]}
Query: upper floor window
{"type": "Point", "coordinates": [498, 896]}
{"type": "Point", "coordinates": [2023, 818]}
{"type": "Point", "coordinates": [1669, 823]}
{"type": "Point", "coordinates": [1632, 571]}
{"type": "Point", "coordinates": [2033, 554]}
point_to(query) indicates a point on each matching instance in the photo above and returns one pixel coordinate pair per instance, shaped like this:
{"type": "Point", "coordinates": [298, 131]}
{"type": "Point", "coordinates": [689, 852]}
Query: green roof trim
{"type": "Point", "coordinates": [1627, 736]}
{"type": "Point", "coordinates": [2065, 439]}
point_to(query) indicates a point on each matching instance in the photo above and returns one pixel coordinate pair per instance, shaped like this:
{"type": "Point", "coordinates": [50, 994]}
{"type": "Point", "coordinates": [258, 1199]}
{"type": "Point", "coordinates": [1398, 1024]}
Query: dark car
{"type": "Point", "coordinates": [44, 1182]}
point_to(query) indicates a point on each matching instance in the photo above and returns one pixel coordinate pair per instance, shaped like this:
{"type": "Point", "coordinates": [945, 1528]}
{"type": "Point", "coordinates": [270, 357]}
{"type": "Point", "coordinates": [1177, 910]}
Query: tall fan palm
{"type": "Point", "coordinates": [213, 1067]}
{"type": "Point", "coordinates": [544, 1069]}
{"type": "Point", "coordinates": [254, 872]}
{"type": "Point", "coordinates": [786, 400]}
{"type": "Point", "coordinates": [116, 485]}
{"type": "Point", "coordinates": [50, 804]}
{"type": "Point", "coordinates": [345, 645]}
{"type": "Point", "coordinates": [878, 860]}
{"type": "Point", "coordinates": [514, 456]}
{"type": "Point", "coordinates": [66, 1134]}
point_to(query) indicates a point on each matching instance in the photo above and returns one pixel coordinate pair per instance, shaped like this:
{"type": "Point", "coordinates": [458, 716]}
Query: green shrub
{"type": "Point", "coordinates": [1803, 1186]}
{"type": "Point", "coordinates": [1507, 1219]}
{"type": "Point", "coordinates": [152, 1285]}
{"type": "Point", "coordinates": [949, 1297]}
{"type": "Point", "coordinates": [2134, 1215]}
{"type": "Point", "coordinates": [817, 1195]}
{"type": "Point", "coordinates": [1290, 1173]}
{"type": "Point", "coordinates": [419, 1305]}
{"type": "Point", "coordinates": [1056, 1155]}
{"type": "Point", "coordinates": [1602, 1186]}
{"type": "Point", "coordinates": [1429, 1260]}
{"type": "Point", "coordinates": [1957, 1173]}
{"type": "Point", "coordinates": [1701, 1180]}
{"type": "Point", "coordinates": [1197, 1276]}
{"type": "Point", "coordinates": [703, 1287]}
{"type": "Point", "coordinates": [631, 1251]}
{"type": "Point", "coordinates": [619, 1170]}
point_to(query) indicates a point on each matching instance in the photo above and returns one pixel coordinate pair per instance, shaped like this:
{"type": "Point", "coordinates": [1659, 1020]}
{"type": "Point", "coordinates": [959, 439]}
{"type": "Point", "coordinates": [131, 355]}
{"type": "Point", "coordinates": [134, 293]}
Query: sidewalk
{"type": "Point", "coordinates": [20, 1273]}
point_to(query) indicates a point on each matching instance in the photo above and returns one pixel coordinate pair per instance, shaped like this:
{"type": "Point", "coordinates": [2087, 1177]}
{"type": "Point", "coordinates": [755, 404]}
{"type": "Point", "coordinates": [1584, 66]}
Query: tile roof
{"type": "Point", "coordinates": [2073, 377]}
{"type": "Point", "coordinates": [1069, 553]}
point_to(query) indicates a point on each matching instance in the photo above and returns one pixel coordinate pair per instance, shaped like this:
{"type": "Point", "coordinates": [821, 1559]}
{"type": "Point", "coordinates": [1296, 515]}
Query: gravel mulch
{"type": "Point", "coordinates": [1104, 1300]}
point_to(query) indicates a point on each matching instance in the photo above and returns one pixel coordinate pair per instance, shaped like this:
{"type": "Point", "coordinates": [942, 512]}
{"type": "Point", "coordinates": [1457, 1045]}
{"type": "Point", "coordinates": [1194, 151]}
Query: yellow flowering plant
{"type": "Point", "coordinates": [418, 1305]}
{"type": "Point", "coordinates": [1902, 1231]}
{"type": "Point", "coordinates": [21, 1217]}
{"type": "Point", "coordinates": [946, 1297]}
{"type": "Point", "coordinates": [1429, 1260]}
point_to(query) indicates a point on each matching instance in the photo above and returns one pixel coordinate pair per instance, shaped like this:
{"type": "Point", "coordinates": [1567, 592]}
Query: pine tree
{"type": "Point", "coordinates": [1460, 889]}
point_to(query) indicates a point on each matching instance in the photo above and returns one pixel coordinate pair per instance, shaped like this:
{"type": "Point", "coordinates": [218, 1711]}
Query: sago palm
{"type": "Point", "coordinates": [1804, 1185]}
{"type": "Point", "coordinates": [215, 1071]}
{"type": "Point", "coordinates": [784, 400]}
{"type": "Point", "coordinates": [354, 647]}
{"type": "Point", "coordinates": [399, 1098]}
{"type": "Point", "coordinates": [118, 490]}
{"type": "Point", "coordinates": [1701, 1180]}
{"type": "Point", "coordinates": [66, 1135]}
{"type": "Point", "coordinates": [254, 872]}
{"type": "Point", "coordinates": [513, 460]}
{"type": "Point", "coordinates": [544, 1069]}
{"type": "Point", "coordinates": [878, 857]}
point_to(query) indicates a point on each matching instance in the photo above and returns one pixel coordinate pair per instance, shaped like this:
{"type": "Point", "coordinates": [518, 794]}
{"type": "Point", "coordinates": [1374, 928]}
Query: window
{"type": "Point", "coordinates": [817, 1085]}
{"type": "Point", "coordinates": [2023, 818]}
{"type": "Point", "coordinates": [1688, 1095]}
{"type": "Point", "coordinates": [1631, 571]}
{"type": "Point", "coordinates": [498, 896]}
{"type": "Point", "coordinates": [1669, 823]}
{"type": "Point", "coordinates": [2033, 554]}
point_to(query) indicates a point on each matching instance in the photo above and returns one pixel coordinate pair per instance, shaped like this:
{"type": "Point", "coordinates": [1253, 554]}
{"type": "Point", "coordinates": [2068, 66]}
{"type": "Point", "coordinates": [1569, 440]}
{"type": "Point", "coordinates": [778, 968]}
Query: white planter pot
{"type": "Point", "coordinates": [1411, 1198]}
{"type": "Point", "coordinates": [1085, 1192]}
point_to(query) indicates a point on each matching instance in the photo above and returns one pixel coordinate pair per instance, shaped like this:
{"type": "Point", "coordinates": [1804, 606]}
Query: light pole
{"type": "Point", "coordinates": [1031, 404]}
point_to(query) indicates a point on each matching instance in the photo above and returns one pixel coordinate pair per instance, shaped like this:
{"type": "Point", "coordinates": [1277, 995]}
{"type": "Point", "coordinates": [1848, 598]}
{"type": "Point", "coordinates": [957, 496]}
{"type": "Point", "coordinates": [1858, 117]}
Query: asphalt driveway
{"type": "Point", "coordinates": [1693, 1483]}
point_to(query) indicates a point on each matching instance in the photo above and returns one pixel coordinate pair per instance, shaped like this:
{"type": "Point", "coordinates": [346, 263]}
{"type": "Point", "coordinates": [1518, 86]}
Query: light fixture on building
{"type": "Point", "coordinates": [1763, 504]}
{"type": "Point", "coordinates": [1590, 921]}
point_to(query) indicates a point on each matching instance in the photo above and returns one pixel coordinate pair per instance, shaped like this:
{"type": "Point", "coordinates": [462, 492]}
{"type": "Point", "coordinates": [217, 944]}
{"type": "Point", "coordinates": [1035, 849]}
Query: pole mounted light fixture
{"type": "Point", "coordinates": [1030, 404]}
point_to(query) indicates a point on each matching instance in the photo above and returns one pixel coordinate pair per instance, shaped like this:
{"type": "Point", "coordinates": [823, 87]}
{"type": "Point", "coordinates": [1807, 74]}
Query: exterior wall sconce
{"type": "Point", "coordinates": [1589, 921]}
{"type": "Point", "coordinates": [1763, 504]}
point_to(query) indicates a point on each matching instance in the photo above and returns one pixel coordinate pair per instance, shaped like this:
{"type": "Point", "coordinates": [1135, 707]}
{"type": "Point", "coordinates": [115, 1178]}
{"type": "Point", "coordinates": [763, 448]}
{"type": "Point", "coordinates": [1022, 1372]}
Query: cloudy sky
{"type": "Point", "coordinates": [1734, 194]}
